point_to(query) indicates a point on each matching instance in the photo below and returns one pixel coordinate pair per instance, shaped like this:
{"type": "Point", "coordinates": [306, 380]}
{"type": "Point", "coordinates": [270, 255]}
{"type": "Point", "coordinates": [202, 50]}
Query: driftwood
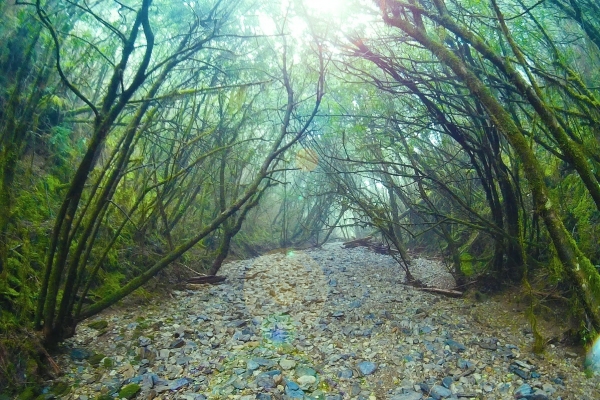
{"type": "Point", "coordinates": [212, 279]}
{"type": "Point", "coordinates": [445, 292]}
{"type": "Point", "coordinates": [370, 243]}
{"type": "Point", "coordinates": [358, 242]}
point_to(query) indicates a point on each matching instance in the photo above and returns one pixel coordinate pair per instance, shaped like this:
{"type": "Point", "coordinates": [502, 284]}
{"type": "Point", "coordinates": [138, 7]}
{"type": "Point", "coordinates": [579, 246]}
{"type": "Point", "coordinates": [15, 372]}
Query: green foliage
{"type": "Point", "coordinates": [111, 282]}
{"type": "Point", "coordinates": [582, 216]}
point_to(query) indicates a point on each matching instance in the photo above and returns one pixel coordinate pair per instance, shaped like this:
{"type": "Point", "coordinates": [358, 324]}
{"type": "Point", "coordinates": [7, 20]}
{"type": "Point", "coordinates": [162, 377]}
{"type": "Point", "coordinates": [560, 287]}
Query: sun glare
{"type": "Point", "coordinates": [303, 20]}
{"type": "Point", "coordinates": [326, 7]}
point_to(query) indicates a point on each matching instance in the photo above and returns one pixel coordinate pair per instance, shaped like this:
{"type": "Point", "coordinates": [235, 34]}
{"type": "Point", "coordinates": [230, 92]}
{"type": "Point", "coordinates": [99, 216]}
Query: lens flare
{"type": "Point", "coordinates": [592, 360]}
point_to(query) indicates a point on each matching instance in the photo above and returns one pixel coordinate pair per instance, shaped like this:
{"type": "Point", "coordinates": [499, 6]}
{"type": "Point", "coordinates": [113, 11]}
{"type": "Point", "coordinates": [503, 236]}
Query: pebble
{"type": "Point", "coordinates": [326, 323]}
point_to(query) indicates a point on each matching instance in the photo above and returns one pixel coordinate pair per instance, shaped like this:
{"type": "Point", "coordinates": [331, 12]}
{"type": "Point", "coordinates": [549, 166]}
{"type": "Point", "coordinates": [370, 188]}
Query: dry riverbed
{"type": "Point", "coordinates": [328, 323]}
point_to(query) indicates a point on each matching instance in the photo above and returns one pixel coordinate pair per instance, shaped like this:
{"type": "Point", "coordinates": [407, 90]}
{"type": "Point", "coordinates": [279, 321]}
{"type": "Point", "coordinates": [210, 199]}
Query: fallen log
{"type": "Point", "coordinates": [370, 243]}
{"type": "Point", "coordinates": [358, 242]}
{"type": "Point", "coordinates": [445, 292]}
{"type": "Point", "coordinates": [212, 279]}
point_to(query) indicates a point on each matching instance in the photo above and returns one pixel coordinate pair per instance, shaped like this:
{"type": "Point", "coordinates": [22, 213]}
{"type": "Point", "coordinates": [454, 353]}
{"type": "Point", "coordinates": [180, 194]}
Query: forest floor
{"type": "Point", "coordinates": [328, 323]}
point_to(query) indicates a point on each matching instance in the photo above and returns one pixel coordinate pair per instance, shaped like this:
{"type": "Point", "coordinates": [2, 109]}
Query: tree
{"type": "Point", "coordinates": [409, 19]}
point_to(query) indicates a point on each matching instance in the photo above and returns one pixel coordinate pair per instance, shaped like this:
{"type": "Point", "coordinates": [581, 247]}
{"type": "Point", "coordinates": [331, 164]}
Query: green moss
{"type": "Point", "coordinates": [96, 359]}
{"type": "Point", "coordinates": [108, 363]}
{"type": "Point", "coordinates": [466, 264]}
{"type": "Point", "coordinates": [60, 388]}
{"type": "Point", "coordinates": [104, 397]}
{"type": "Point", "coordinates": [98, 325]}
{"type": "Point", "coordinates": [129, 391]}
{"type": "Point", "coordinates": [27, 394]}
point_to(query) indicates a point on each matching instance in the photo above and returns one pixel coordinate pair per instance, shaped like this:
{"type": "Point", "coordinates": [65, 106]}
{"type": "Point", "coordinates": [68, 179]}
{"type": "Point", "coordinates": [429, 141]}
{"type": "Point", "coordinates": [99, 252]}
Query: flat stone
{"type": "Point", "coordinates": [345, 374]}
{"type": "Point", "coordinates": [287, 364]}
{"type": "Point", "coordinates": [79, 354]}
{"type": "Point", "coordinates": [306, 381]}
{"type": "Point", "coordinates": [439, 392]}
{"type": "Point", "coordinates": [304, 370]}
{"type": "Point", "coordinates": [447, 382]}
{"type": "Point", "coordinates": [264, 362]}
{"type": "Point", "coordinates": [367, 367]}
{"type": "Point", "coordinates": [265, 381]}
{"type": "Point", "coordinates": [179, 383]}
{"type": "Point", "coordinates": [177, 343]}
{"type": "Point", "coordinates": [454, 345]}
{"type": "Point", "coordinates": [293, 390]}
{"type": "Point", "coordinates": [523, 391]}
{"type": "Point", "coordinates": [252, 365]}
{"type": "Point", "coordinates": [407, 396]}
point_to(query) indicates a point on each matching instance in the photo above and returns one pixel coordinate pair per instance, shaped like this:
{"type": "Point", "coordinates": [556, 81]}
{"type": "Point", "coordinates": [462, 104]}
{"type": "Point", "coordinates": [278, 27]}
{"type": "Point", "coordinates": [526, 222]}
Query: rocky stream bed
{"type": "Point", "coordinates": [327, 323]}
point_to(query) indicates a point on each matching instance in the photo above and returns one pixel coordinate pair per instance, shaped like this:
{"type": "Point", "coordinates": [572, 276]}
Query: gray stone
{"type": "Point", "coordinates": [454, 345]}
{"type": "Point", "coordinates": [304, 370]}
{"type": "Point", "coordinates": [265, 381]}
{"type": "Point", "coordinates": [345, 374]}
{"type": "Point", "coordinates": [239, 384]}
{"type": "Point", "coordinates": [287, 364]}
{"type": "Point", "coordinates": [306, 381]}
{"type": "Point", "coordinates": [447, 382]}
{"type": "Point", "coordinates": [177, 343]}
{"type": "Point", "coordinates": [439, 392]}
{"type": "Point", "coordinates": [407, 396]}
{"type": "Point", "coordinates": [293, 390]}
{"type": "Point", "coordinates": [367, 367]}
